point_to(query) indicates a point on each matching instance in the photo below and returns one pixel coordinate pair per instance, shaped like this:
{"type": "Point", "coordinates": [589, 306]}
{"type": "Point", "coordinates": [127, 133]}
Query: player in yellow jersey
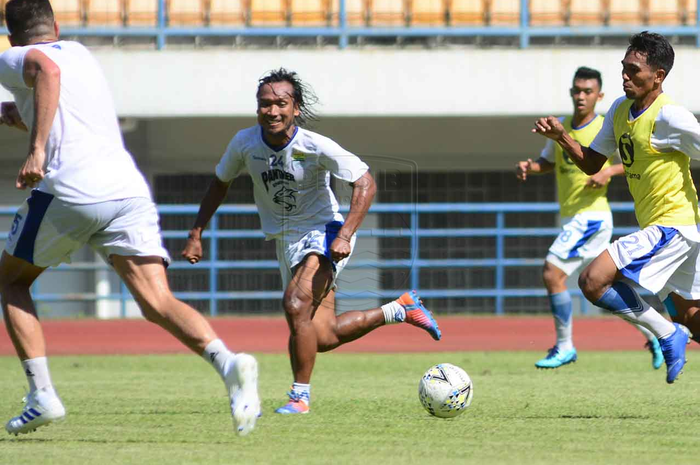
{"type": "Point", "coordinates": [656, 139]}
{"type": "Point", "coordinates": [585, 215]}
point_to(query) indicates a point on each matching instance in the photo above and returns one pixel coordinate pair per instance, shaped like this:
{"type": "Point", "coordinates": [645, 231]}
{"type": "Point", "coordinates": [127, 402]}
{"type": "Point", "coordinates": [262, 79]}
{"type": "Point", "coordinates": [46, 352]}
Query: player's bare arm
{"type": "Point", "coordinates": [9, 116]}
{"type": "Point", "coordinates": [44, 76]}
{"type": "Point", "coordinates": [211, 201]}
{"type": "Point", "coordinates": [524, 168]}
{"type": "Point", "coordinates": [588, 160]}
{"type": "Point", "coordinates": [602, 177]}
{"type": "Point", "coordinates": [363, 191]}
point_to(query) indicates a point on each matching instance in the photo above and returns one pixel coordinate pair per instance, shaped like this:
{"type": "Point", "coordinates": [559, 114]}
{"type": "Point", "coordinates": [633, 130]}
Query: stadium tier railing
{"type": "Point", "coordinates": [521, 19]}
{"type": "Point", "coordinates": [214, 233]}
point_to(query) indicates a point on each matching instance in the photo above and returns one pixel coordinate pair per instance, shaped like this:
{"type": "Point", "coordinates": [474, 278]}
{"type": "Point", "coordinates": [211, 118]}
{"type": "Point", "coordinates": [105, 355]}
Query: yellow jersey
{"type": "Point", "coordinates": [660, 183]}
{"type": "Point", "coordinates": [574, 196]}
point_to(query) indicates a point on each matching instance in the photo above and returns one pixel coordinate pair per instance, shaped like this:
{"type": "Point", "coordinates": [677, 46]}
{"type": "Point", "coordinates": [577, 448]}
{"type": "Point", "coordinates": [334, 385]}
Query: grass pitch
{"type": "Point", "coordinates": [608, 408]}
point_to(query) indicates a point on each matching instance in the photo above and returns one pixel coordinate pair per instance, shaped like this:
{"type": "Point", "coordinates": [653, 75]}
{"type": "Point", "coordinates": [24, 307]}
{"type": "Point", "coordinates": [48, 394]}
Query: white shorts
{"type": "Point", "coordinates": [291, 252]}
{"type": "Point", "coordinates": [659, 259]}
{"type": "Point", "coordinates": [583, 238]}
{"type": "Point", "coordinates": [46, 231]}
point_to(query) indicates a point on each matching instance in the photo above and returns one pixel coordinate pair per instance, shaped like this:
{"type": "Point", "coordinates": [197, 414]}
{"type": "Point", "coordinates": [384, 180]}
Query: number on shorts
{"type": "Point", "coordinates": [564, 236]}
{"type": "Point", "coordinates": [631, 244]}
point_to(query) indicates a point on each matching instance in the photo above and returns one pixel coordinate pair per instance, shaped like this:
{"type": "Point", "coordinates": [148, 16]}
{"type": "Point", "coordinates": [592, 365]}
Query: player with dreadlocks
{"type": "Point", "coordinates": [291, 168]}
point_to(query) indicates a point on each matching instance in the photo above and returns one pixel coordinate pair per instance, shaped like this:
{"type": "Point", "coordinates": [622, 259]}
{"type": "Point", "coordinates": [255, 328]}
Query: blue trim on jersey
{"type": "Point", "coordinates": [591, 228]}
{"type": "Point", "coordinates": [633, 270]}
{"type": "Point", "coordinates": [581, 127]}
{"type": "Point", "coordinates": [332, 229]}
{"type": "Point", "coordinates": [38, 204]}
{"type": "Point", "coordinates": [277, 149]}
{"type": "Point", "coordinates": [635, 114]}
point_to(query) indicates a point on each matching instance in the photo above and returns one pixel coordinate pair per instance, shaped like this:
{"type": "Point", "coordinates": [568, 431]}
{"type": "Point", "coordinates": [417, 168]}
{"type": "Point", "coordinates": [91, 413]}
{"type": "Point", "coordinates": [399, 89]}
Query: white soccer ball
{"type": "Point", "coordinates": [445, 390]}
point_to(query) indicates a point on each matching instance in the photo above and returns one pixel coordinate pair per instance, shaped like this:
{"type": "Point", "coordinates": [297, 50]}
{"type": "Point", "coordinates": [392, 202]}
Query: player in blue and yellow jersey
{"type": "Point", "coordinates": [656, 139]}
{"type": "Point", "coordinates": [585, 215]}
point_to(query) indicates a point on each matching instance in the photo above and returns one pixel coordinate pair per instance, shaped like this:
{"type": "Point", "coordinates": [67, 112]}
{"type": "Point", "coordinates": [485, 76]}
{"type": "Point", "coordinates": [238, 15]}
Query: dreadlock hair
{"type": "Point", "coordinates": [655, 47]}
{"type": "Point", "coordinates": [302, 94]}
{"type": "Point", "coordinates": [27, 19]}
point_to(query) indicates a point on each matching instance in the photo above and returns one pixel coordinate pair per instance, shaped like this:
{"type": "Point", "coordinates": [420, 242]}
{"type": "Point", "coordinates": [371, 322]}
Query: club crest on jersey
{"type": "Point", "coordinates": [298, 156]}
{"type": "Point", "coordinates": [286, 197]}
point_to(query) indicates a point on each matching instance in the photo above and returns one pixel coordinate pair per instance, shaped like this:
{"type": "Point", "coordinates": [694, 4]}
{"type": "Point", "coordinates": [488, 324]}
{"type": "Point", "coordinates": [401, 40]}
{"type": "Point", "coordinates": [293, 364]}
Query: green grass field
{"type": "Point", "coordinates": [609, 408]}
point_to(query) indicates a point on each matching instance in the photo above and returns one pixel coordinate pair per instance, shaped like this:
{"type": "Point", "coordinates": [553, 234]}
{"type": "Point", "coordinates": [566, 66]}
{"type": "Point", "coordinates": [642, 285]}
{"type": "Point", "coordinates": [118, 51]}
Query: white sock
{"type": "Point", "coordinates": [37, 372]}
{"type": "Point", "coordinates": [217, 355]}
{"type": "Point", "coordinates": [647, 334]}
{"type": "Point", "coordinates": [393, 313]}
{"type": "Point", "coordinates": [564, 330]}
{"type": "Point", "coordinates": [303, 390]}
{"type": "Point", "coordinates": [651, 320]}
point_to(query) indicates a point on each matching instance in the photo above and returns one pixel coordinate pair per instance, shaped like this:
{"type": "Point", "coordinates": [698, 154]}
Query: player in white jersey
{"type": "Point", "coordinates": [291, 168]}
{"type": "Point", "coordinates": [86, 190]}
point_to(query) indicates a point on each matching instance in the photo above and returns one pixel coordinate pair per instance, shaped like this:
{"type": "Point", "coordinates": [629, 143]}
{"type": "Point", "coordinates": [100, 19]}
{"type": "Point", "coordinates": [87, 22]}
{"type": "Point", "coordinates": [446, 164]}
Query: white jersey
{"type": "Point", "coordinates": [291, 184]}
{"type": "Point", "coordinates": [86, 161]}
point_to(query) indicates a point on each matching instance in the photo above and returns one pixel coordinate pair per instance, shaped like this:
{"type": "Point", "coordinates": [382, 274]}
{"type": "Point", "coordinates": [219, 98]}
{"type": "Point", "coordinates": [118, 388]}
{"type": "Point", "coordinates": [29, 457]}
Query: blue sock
{"type": "Point", "coordinates": [560, 305]}
{"type": "Point", "coordinates": [623, 301]}
{"type": "Point", "coordinates": [670, 307]}
{"type": "Point", "coordinates": [620, 299]}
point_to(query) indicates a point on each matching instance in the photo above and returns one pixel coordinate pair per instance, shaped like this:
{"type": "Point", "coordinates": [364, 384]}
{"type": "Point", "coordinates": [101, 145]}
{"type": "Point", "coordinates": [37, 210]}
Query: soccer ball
{"type": "Point", "coordinates": [445, 390]}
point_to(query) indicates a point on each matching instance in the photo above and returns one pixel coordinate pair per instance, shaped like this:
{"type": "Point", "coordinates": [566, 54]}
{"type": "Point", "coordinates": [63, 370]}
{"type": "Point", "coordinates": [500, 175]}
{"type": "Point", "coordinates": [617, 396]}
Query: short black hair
{"type": "Point", "coordinates": [303, 95]}
{"type": "Point", "coordinates": [655, 47]}
{"type": "Point", "coordinates": [28, 18]}
{"type": "Point", "coordinates": [589, 73]}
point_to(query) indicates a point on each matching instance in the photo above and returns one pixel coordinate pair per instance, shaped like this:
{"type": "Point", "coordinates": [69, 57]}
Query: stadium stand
{"type": "Point", "coordinates": [428, 13]}
{"type": "Point", "coordinates": [504, 12]}
{"type": "Point", "coordinates": [457, 21]}
{"type": "Point", "coordinates": [186, 12]}
{"type": "Point", "coordinates": [233, 13]}
{"type": "Point", "coordinates": [310, 13]}
{"type": "Point", "coordinates": [587, 12]}
{"type": "Point", "coordinates": [355, 12]}
{"type": "Point", "coordinates": [387, 13]}
{"type": "Point", "coordinates": [68, 12]}
{"type": "Point", "coordinates": [692, 12]}
{"type": "Point", "coordinates": [467, 12]}
{"type": "Point", "coordinates": [627, 12]}
{"type": "Point", "coordinates": [105, 12]}
{"type": "Point", "coordinates": [141, 12]}
{"type": "Point", "coordinates": [268, 12]}
{"type": "Point", "coordinates": [548, 13]}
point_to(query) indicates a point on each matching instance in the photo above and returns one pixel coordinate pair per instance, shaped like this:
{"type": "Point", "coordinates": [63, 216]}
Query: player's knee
{"type": "Point", "coordinates": [589, 285]}
{"type": "Point", "coordinates": [296, 308]}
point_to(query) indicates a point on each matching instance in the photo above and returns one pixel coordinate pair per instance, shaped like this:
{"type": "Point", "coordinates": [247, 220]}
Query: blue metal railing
{"type": "Point", "coordinates": [343, 32]}
{"type": "Point", "coordinates": [415, 263]}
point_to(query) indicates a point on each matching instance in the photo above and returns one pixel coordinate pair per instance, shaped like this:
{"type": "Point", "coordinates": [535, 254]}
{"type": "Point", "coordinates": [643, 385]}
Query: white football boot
{"type": "Point", "coordinates": [242, 384]}
{"type": "Point", "coordinates": [42, 407]}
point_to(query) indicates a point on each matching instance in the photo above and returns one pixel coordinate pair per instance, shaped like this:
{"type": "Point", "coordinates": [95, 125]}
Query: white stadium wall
{"type": "Point", "coordinates": [376, 82]}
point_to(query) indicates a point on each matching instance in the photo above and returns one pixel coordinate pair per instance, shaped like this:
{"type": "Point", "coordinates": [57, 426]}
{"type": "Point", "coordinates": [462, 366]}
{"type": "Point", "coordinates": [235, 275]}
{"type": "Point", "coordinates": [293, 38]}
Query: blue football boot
{"type": "Point", "coordinates": [556, 358]}
{"type": "Point", "coordinates": [657, 357]}
{"type": "Point", "coordinates": [673, 348]}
